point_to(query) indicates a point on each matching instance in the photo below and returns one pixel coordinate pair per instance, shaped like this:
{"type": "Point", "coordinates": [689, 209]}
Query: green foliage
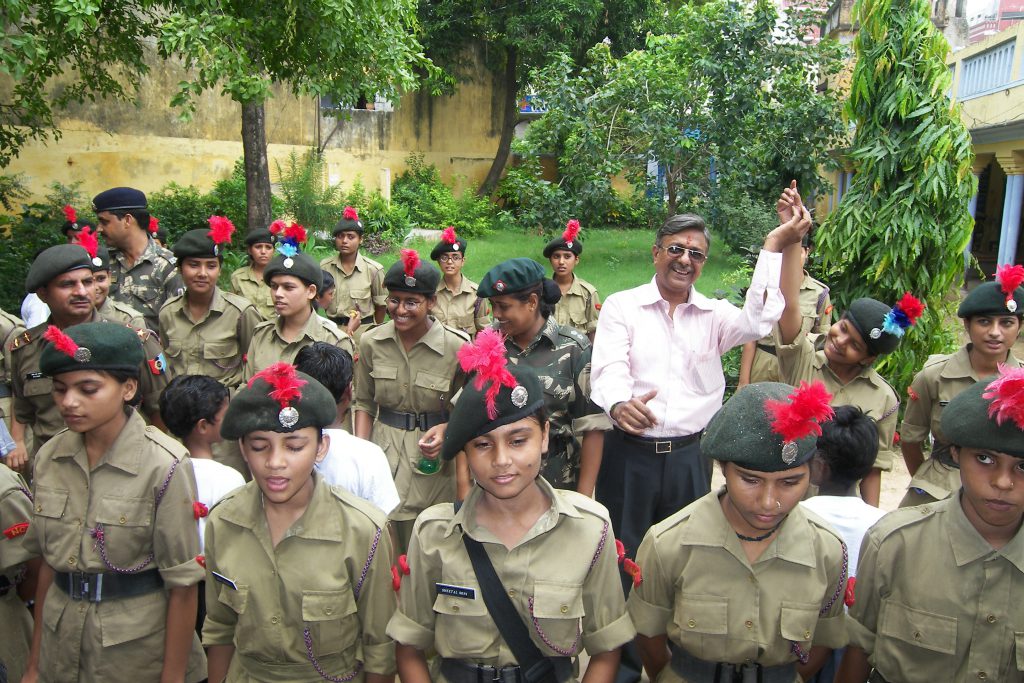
{"type": "Point", "coordinates": [227, 198]}
{"type": "Point", "coordinates": [432, 204]}
{"type": "Point", "coordinates": [743, 222]}
{"type": "Point", "coordinates": [13, 188]}
{"type": "Point", "coordinates": [21, 238]}
{"type": "Point", "coordinates": [308, 197]}
{"type": "Point", "coordinates": [903, 224]}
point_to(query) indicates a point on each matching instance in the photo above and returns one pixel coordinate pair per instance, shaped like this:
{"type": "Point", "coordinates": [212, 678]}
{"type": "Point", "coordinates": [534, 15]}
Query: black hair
{"type": "Point", "coordinates": [681, 222]}
{"type": "Point", "coordinates": [189, 399]}
{"type": "Point", "coordinates": [848, 445]}
{"type": "Point", "coordinates": [548, 294]}
{"type": "Point", "coordinates": [328, 365]}
{"type": "Point", "coordinates": [141, 217]}
{"type": "Point", "coordinates": [329, 284]}
{"type": "Point", "coordinates": [122, 376]}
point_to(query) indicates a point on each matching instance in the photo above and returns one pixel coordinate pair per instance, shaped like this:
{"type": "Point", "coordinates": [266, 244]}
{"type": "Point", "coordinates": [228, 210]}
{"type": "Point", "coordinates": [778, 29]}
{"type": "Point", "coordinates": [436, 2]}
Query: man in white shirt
{"type": "Point", "coordinates": [357, 465]}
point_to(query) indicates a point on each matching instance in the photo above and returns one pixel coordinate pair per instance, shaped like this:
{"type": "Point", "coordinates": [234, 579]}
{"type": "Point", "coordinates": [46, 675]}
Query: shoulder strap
{"type": "Point", "coordinates": [536, 667]}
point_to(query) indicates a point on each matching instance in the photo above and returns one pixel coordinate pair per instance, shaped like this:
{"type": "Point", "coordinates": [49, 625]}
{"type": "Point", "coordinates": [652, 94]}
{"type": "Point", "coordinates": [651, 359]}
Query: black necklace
{"type": "Point", "coordinates": [756, 539]}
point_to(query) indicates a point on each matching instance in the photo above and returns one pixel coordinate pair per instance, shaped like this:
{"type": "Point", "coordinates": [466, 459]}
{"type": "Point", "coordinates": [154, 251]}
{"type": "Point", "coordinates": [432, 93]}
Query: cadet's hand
{"type": "Point", "coordinates": [790, 232]}
{"type": "Point", "coordinates": [788, 203]}
{"type": "Point", "coordinates": [633, 416]}
{"type": "Point", "coordinates": [31, 675]}
{"type": "Point", "coordinates": [433, 438]}
{"type": "Point", "coordinates": [355, 319]}
{"type": "Point", "coordinates": [17, 459]}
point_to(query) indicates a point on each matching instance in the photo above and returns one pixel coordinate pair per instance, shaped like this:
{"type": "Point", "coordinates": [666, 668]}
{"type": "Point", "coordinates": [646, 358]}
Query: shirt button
{"type": "Point", "coordinates": [512, 593]}
{"type": "Point", "coordinates": [39, 508]}
{"type": "Point", "coordinates": [982, 675]}
{"type": "Point", "coordinates": [807, 635]}
{"type": "Point", "coordinates": [917, 635]}
{"type": "Point", "coordinates": [991, 618]}
{"type": "Point", "coordinates": [691, 623]}
{"type": "Point", "coordinates": [565, 608]}
{"type": "Point", "coordinates": [72, 561]}
{"type": "Point", "coordinates": [78, 522]}
{"type": "Point", "coordinates": [748, 623]}
{"type": "Point", "coordinates": [274, 620]}
{"type": "Point", "coordinates": [455, 608]}
{"type": "Point", "coordinates": [328, 610]}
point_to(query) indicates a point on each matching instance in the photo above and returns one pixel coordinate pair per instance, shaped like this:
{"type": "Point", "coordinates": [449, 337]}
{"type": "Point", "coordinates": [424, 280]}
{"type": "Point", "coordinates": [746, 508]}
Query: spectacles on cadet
{"type": "Point", "coordinates": [675, 251]}
{"type": "Point", "coordinates": [407, 304]}
{"type": "Point", "coordinates": [449, 258]}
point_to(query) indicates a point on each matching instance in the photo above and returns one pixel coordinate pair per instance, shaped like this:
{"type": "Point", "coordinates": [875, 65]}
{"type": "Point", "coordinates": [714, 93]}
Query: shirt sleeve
{"type": "Point", "coordinates": [587, 416]}
{"type": "Point", "coordinates": [376, 605]}
{"type": "Point", "coordinates": [871, 584]}
{"type": "Point", "coordinates": [887, 432]}
{"type": "Point", "coordinates": [796, 360]}
{"type": "Point", "coordinates": [15, 511]}
{"type": "Point", "coordinates": [762, 307]}
{"type": "Point", "coordinates": [611, 379]}
{"type": "Point", "coordinates": [219, 626]}
{"type": "Point", "coordinates": [606, 624]}
{"type": "Point", "coordinates": [152, 378]}
{"type": "Point", "coordinates": [651, 604]}
{"type": "Point", "coordinates": [176, 536]}
{"type": "Point", "coordinates": [482, 314]}
{"type": "Point", "coordinates": [413, 622]}
{"type": "Point", "coordinates": [831, 630]}
{"type": "Point", "coordinates": [377, 291]}
{"type": "Point", "coordinates": [247, 323]}
{"type": "Point", "coordinates": [592, 312]}
{"type": "Point", "coordinates": [363, 380]}
{"type": "Point", "coordinates": [917, 417]}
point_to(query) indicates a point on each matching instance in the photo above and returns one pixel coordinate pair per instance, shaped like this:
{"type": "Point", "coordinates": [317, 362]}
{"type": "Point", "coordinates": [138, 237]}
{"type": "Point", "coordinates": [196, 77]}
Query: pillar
{"type": "Point", "coordinates": [1009, 232]}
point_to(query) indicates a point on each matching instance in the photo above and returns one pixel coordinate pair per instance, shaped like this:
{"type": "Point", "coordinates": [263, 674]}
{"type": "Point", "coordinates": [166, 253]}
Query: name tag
{"type": "Point", "coordinates": [225, 580]}
{"type": "Point", "coordinates": [455, 591]}
{"type": "Point", "coordinates": [29, 376]}
{"type": "Point", "coordinates": [943, 403]}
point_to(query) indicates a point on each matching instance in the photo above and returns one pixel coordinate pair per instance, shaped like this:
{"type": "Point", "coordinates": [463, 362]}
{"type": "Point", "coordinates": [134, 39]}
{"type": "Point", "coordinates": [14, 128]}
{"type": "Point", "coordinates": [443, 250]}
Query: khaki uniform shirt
{"type": "Point", "coordinates": [362, 289]}
{"type": "Point", "coordinates": [15, 518]}
{"type": "Point", "coordinates": [121, 639]}
{"type": "Point", "coordinates": [33, 392]}
{"type": "Point", "coordinates": [561, 357]}
{"type": "Point", "coordinates": [329, 576]}
{"type": "Point", "coordinates": [213, 346]}
{"type": "Point", "coordinates": [420, 381]}
{"type": "Point", "coordinates": [462, 309]}
{"type": "Point", "coordinates": [942, 377]}
{"type": "Point", "coordinates": [935, 602]}
{"type": "Point", "coordinates": [117, 312]}
{"type": "Point", "coordinates": [803, 360]}
{"type": "Point", "coordinates": [701, 591]}
{"type": "Point", "coordinates": [816, 309]}
{"type": "Point", "coordinates": [11, 327]}
{"type": "Point", "coordinates": [148, 283]}
{"type": "Point", "coordinates": [246, 284]}
{"type": "Point", "coordinates": [565, 565]}
{"type": "Point", "coordinates": [578, 308]}
{"type": "Point", "coordinates": [268, 346]}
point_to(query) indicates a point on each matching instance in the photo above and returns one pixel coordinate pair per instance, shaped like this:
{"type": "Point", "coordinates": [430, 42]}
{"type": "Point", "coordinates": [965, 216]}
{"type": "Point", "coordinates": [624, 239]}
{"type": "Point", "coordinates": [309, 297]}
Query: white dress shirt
{"type": "Point", "coordinates": [639, 347]}
{"type": "Point", "coordinates": [360, 467]}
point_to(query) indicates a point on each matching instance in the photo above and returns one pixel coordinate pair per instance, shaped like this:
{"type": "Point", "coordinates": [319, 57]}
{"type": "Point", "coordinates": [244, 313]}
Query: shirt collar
{"type": "Point", "coordinates": [649, 294]}
{"type": "Point", "coordinates": [959, 364]}
{"type": "Point", "coordinates": [433, 338]}
{"type": "Point", "coordinates": [307, 330]}
{"type": "Point", "coordinates": [867, 373]}
{"type": "Point", "coordinates": [125, 453]}
{"type": "Point", "coordinates": [464, 286]}
{"type": "Point", "coordinates": [968, 545]}
{"type": "Point", "coordinates": [320, 521]}
{"type": "Point", "coordinates": [465, 516]}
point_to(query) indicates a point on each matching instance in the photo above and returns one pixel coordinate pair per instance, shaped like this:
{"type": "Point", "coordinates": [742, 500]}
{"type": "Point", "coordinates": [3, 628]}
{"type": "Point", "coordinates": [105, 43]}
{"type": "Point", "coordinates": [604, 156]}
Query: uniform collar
{"type": "Point", "coordinates": [125, 453]}
{"type": "Point", "coordinates": [707, 526]}
{"type": "Point", "coordinates": [433, 338]}
{"type": "Point", "coordinates": [359, 264]}
{"type": "Point", "coordinates": [576, 287]}
{"type": "Point", "coordinates": [866, 373]}
{"type": "Point", "coordinates": [465, 516]}
{"type": "Point", "coordinates": [968, 545]}
{"type": "Point", "coordinates": [307, 330]}
{"type": "Point", "coordinates": [466, 285]}
{"type": "Point", "coordinates": [320, 521]}
{"type": "Point", "coordinates": [959, 364]}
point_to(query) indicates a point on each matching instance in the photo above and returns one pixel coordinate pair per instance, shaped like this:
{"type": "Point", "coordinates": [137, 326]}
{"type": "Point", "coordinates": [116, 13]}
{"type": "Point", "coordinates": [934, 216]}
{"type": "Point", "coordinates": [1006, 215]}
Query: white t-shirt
{"type": "Point", "coordinates": [214, 480]}
{"type": "Point", "coordinates": [360, 467]}
{"type": "Point", "coordinates": [34, 311]}
{"type": "Point", "coordinates": [850, 516]}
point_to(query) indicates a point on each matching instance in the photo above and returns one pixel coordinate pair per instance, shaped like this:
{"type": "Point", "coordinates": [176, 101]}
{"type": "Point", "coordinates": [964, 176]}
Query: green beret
{"type": "Point", "coordinates": [119, 199]}
{"type": "Point", "coordinates": [741, 432]}
{"type": "Point", "coordinates": [252, 409]}
{"type": "Point", "coordinates": [100, 346]}
{"type": "Point", "coordinates": [867, 316]}
{"type": "Point", "coordinates": [259, 236]}
{"type": "Point", "coordinates": [55, 261]}
{"type": "Point", "coordinates": [966, 421]}
{"type": "Point", "coordinates": [423, 280]}
{"type": "Point", "coordinates": [513, 275]}
{"type": "Point", "coordinates": [349, 222]}
{"type": "Point", "coordinates": [197, 244]}
{"type": "Point", "coordinates": [989, 298]}
{"type": "Point", "coordinates": [469, 419]}
{"type": "Point", "coordinates": [301, 265]}
{"type": "Point", "coordinates": [160, 234]}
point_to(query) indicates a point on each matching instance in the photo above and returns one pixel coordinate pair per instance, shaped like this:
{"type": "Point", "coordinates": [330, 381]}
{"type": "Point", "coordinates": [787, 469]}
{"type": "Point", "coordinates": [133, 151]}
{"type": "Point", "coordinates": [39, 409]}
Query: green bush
{"type": "Point", "coordinates": [433, 205]}
{"type": "Point", "coordinates": [21, 238]}
{"type": "Point", "coordinates": [180, 209]}
{"type": "Point", "coordinates": [306, 195]}
{"type": "Point", "coordinates": [741, 221]}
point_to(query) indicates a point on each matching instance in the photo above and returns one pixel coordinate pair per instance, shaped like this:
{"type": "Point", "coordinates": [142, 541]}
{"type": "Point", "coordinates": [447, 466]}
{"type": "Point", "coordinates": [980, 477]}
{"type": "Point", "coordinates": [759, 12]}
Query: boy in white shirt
{"type": "Point", "coordinates": [357, 465]}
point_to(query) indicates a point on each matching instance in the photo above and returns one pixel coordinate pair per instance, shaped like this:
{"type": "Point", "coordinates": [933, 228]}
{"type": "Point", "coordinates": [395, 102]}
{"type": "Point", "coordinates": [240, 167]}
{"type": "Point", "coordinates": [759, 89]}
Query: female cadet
{"type": "Point", "coordinates": [298, 580]}
{"type": "Point", "coordinates": [523, 300]}
{"type": "Point", "coordinates": [940, 586]}
{"type": "Point", "coordinates": [580, 303]}
{"type": "Point", "coordinates": [405, 379]}
{"type": "Point", "coordinates": [457, 305]}
{"type": "Point", "coordinates": [247, 281]}
{"type": "Point", "coordinates": [552, 551]}
{"type": "Point", "coordinates": [206, 331]}
{"type": "Point", "coordinates": [114, 523]}
{"type": "Point", "coordinates": [992, 316]}
{"type": "Point", "coordinates": [294, 279]}
{"type": "Point", "coordinates": [744, 584]}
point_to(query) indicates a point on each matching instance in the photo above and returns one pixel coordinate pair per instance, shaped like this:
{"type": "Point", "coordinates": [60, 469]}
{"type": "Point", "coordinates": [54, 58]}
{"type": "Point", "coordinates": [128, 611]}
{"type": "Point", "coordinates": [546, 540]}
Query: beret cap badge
{"type": "Point", "coordinates": [67, 345]}
{"type": "Point", "coordinates": [520, 396]}
{"type": "Point", "coordinates": [288, 417]}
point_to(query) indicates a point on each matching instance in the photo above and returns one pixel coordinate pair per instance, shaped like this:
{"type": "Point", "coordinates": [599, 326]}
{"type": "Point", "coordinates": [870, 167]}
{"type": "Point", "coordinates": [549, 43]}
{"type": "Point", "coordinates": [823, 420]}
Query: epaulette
{"type": "Point", "coordinates": [239, 302]}
{"type": "Point", "coordinates": [368, 509]}
{"type": "Point", "coordinates": [260, 326]}
{"type": "Point", "coordinates": [574, 334]}
{"type": "Point", "coordinates": [584, 503]}
{"type": "Point", "coordinates": [166, 442]}
{"type": "Point", "coordinates": [142, 333]}
{"type": "Point", "coordinates": [821, 523]}
{"type": "Point", "coordinates": [20, 341]}
{"type": "Point", "coordinates": [902, 518]}
{"type": "Point", "coordinates": [936, 358]}
{"type": "Point", "coordinates": [442, 512]}
{"type": "Point", "coordinates": [819, 283]}
{"type": "Point", "coordinates": [457, 332]}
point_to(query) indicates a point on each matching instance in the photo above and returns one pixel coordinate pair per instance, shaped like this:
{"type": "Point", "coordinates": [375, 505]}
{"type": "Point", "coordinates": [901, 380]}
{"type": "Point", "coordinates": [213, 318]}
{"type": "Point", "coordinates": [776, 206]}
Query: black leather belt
{"type": "Point", "coordinates": [766, 348]}
{"type": "Point", "coordinates": [459, 671]}
{"type": "Point", "coordinates": [662, 445]}
{"type": "Point", "coordinates": [108, 586]}
{"type": "Point", "coordinates": [343, 320]}
{"type": "Point", "coordinates": [690, 668]}
{"type": "Point", "coordinates": [5, 390]}
{"type": "Point", "coordinates": [410, 422]}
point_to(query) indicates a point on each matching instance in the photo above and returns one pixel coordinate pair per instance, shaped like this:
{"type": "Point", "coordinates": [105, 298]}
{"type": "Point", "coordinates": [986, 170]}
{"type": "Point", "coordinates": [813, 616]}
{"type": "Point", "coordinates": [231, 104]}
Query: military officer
{"type": "Point", "coordinates": [457, 304]}
{"type": "Point", "coordinates": [142, 273]}
{"type": "Point", "coordinates": [107, 307]}
{"type": "Point", "coordinates": [18, 567]}
{"type": "Point", "coordinates": [580, 303]}
{"type": "Point", "coordinates": [247, 281]}
{"type": "Point", "coordinates": [206, 331]}
{"type": "Point", "coordinates": [359, 295]}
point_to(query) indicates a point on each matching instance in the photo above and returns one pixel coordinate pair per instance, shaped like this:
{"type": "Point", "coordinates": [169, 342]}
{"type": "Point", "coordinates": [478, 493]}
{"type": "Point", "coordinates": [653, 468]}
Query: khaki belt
{"type": "Point", "coordinates": [107, 585]}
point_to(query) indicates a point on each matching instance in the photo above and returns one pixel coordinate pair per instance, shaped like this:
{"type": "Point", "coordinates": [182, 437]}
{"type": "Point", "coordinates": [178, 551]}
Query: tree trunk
{"type": "Point", "coordinates": [508, 126]}
{"type": "Point", "coordinates": [257, 172]}
{"type": "Point", "coordinates": [670, 190]}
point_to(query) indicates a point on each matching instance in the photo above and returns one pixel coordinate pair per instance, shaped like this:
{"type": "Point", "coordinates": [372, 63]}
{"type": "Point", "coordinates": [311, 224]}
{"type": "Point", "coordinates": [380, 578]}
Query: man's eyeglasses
{"type": "Point", "coordinates": [450, 258]}
{"type": "Point", "coordinates": [675, 251]}
{"type": "Point", "coordinates": [407, 304]}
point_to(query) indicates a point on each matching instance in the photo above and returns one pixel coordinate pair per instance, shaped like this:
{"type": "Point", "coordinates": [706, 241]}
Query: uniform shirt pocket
{"type": "Point", "coordinates": [50, 506]}
{"type": "Point", "coordinates": [127, 532]}
{"type": "Point", "coordinates": [42, 386]}
{"type": "Point", "coordinates": [931, 637]}
{"type": "Point", "coordinates": [556, 612]}
{"type": "Point", "coordinates": [331, 619]}
{"type": "Point", "coordinates": [798, 620]}
{"type": "Point", "coordinates": [385, 384]}
{"type": "Point", "coordinates": [361, 298]}
{"type": "Point", "coordinates": [434, 385]}
{"type": "Point", "coordinates": [703, 622]}
{"type": "Point", "coordinates": [224, 354]}
{"type": "Point", "coordinates": [463, 625]}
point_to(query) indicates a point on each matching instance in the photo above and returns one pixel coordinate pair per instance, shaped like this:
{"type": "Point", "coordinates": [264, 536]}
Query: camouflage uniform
{"type": "Point", "coordinates": [33, 392]}
{"type": "Point", "coordinates": [246, 284]}
{"type": "Point", "coordinates": [147, 284]}
{"type": "Point", "coordinates": [561, 357]}
{"type": "Point", "coordinates": [10, 328]}
{"type": "Point", "coordinates": [117, 312]}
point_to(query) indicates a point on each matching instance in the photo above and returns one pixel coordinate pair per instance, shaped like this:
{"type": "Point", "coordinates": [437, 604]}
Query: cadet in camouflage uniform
{"type": "Point", "coordinates": [359, 281]}
{"type": "Point", "coordinates": [522, 300]}
{"type": "Point", "coordinates": [142, 273]}
{"type": "Point", "coordinates": [62, 277]}
{"type": "Point", "coordinates": [247, 281]}
{"type": "Point", "coordinates": [107, 308]}
{"type": "Point", "coordinates": [457, 303]}
{"type": "Point", "coordinates": [580, 303]}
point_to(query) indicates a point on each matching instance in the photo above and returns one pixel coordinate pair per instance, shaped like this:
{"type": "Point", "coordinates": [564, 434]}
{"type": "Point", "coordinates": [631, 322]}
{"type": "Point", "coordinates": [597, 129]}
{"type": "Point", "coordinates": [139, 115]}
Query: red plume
{"type": "Point", "coordinates": [448, 235]}
{"type": "Point", "coordinates": [154, 225]}
{"type": "Point", "coordinates": [486, 356]}
{"type": "Point", "coordinates": [62, 341]}
{"type": "Point", "coordinates": [295, 232]}
{"type": "Point", "coordinates": [799, 417]}
{"type": "Point", "coordinates": [572, 229]}
{"type": "Point", "coordinates": [87, 240]}
{"type": "Point", "coordinates": [410, 261]}
{"type": "Point", "coordinates": [221, 229]}
{"type": "Point", "coordinates": [70, 214]}
{"type": "Point", "coordinates": [350, 214]}
{"type": "Point", "coordinates": [1009, 277]}
{"type": "Point", "coordinates": [277, 226]}
{"type": "Point", "coordinates": [911, 307]}
{"type": "Point", "coordinates": [284, 381]}
{"type": "Point", "coordinates": [1007, 394]}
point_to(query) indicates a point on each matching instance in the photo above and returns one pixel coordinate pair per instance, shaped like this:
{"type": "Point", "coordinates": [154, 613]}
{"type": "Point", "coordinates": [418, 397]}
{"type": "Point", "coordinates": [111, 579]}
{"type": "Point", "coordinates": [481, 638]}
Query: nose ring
{"type": "Point", "coordinates": [779, 504]}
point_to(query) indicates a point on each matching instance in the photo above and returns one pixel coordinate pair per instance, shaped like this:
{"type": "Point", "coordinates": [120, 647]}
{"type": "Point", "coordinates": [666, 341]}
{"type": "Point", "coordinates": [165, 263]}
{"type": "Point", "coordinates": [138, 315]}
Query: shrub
{"type": "Point", "coordinates": [306, 195]}
{"type": "Point", "coordinates": [741, 221]}
{"type": "Point", "coordinates": [21, 238]}
{"type": "Point", "coordinates": [433, 205]}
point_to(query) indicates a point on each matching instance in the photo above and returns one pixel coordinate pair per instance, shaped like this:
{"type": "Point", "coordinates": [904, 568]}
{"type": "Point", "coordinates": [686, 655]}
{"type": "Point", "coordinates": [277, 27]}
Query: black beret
{"type": "Point", "coordinates": [966, 420]}
{"type": "Point", "coordinates": [76, 226]}
{"type": "Point", "coordinates": [301, 265]}
{"type": "Point", "coordinates": [252, 409]}
{"type": "Point", "coordinates": [119, 199]}
{"type": "Point", "coordinates": [197, 244]}
{"type": "Point", "coordinates": [867, 316]}
{"type": "Point", "coordinates": [423, 281]}
{"type": "Point", "coordinates": [349, 222]}
{"type": "Point", "coordinates": [509, 276]}
{"type": "Point", "coordinates": [988, 298]}
{"type": "Point", "coordinates": [569, 240]}
{"type": "Point", "coordinates": [55, 261]}
{"type": "Point", "coordinates": [443, 247]}
{"type": "Point", "coordinates": [469, 419]}
{"type": "Point", "coordinates": [101, 346]}
{"type": "Point", "coordinates": [160, 234]}
{"type": "Point", "coordinates": [102, 260]}
{"type": "Point", "coordinates": [259, 236]}
{"type": "Point", "coordinates": [741, 432]}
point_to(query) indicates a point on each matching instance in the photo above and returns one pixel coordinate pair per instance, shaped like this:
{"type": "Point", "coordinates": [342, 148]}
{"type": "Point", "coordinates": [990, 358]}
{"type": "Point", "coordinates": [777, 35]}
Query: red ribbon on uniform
{"type": "Point", "coordinates": [201, 559]}
{"type": "Point", "coordinates": [16, 530]}
{"type": "Point", "coordinates": [199, 510]}
{"type": "Point", "coordinates": [849, 598]}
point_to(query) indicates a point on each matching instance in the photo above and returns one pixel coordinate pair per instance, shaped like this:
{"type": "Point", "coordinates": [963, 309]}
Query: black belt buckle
{"type": "Point", "coordinates": [83, 586]}
{"type": "Point", "coordinates": [487, 674]}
